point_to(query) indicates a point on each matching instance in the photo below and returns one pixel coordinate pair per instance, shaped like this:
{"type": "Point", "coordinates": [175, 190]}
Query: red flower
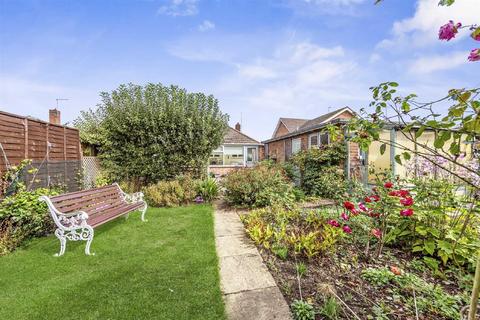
{"type": "Point", "coordinates": [367, 199]}
{"type": "Point", "coordinates": [403, 193]}
{"type": "Point", "coordinates": [406, 212]}
{"type": "Point", "coordinates": [348, 205]}
{"type": "Point", "coordinates": [377, 233]}
{"type": "Point", "coordinates": [388, 185]}
{"type": "Point", "coordinates": [345, 216]}
{"type": "Point", "coordinates": [347, 229]}
{"type": "Point", "coordinates": [375, 197]}
{"type": "Point", "coordinates": [406, 202]}
{"type": "Point", "coordinates": [334, 223]}
{"type": "Point", "coordinates": [393, 193]}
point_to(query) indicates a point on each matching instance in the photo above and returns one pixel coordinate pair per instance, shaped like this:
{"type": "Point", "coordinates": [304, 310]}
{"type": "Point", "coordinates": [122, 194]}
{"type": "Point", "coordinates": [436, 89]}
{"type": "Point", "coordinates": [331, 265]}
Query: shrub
{"type": "Point", "coordinates": [208, 189]}
{"type": "Point", "coordinates": [321, 173]}
{"type": "Point", "coordinates": [171, 193]}
{"type": "Point", "coordinates": [302, 310]}
{"type": "Point", "coordinates": [23, 216]}
{"type": "Point", "coordinates": [260, 186]}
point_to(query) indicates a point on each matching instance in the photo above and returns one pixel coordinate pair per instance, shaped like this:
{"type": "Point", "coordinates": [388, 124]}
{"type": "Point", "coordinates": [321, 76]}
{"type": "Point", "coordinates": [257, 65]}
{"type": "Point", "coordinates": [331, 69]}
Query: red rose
{"type": "Point", "coordinates": [406, 202]}
{"type": "Point", "coordinates": [388, 185]}
{"type": "Point", "coordinates": [348, 205]}
{"type": "Point", "coordinates": [406, 212]}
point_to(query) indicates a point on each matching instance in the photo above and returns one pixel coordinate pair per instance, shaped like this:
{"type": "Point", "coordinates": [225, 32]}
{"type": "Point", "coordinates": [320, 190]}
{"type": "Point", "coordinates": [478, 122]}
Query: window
{"type": "Point", "coordinates": [296, 145]}
{"type": "Point", "coordinates": [324, 139]}
{"type": "Point", "coordinates": [216, 158]}
{"type": "Point", "coordinates": [313, 140]}
{"type": "Point", "coordinates": [233, 155]}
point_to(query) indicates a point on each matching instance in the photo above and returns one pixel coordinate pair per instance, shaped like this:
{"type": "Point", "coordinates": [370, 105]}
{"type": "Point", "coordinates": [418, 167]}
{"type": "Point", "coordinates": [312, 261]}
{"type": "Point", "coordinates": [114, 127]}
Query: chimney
{"type": "Point", "coordinates": [54, 116]}
{"type": "Point", "coordinates": [238, 127]}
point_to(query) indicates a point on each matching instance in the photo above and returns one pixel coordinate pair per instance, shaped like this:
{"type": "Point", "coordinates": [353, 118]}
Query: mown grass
{"type": "Point", "coordinates": [165, 268]}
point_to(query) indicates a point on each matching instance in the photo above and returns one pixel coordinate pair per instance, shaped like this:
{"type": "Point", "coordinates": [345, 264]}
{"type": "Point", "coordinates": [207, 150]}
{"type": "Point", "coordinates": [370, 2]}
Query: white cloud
{"type": "Point", "coordinates": [422, 28]}
{"type": "Point", "coordinates": [178, 8]}
{"type": "Point", "coordinates": [206, 25]}
{"type": "Point", "coordinates": [256, 71]}
{"type": "Point", "coordinates": [431, 64]}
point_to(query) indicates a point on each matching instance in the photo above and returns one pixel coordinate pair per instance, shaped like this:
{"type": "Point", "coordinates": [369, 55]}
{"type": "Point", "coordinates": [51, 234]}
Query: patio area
{"type": "Point", "coordinates": [165, 268]}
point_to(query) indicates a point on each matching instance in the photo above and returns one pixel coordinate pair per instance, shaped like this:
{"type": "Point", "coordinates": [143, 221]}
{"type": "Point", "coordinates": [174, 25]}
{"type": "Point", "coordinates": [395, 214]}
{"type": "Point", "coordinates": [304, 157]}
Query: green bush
{"type": "Point", "coordinates": [208, 189]}
{"type": "Point", "coordinates": [171, 193]}
{"type": "Point", "coordinates": [321, 171]}
{"type": "Point", "coordinates": [23, 216]}
{"type": "Point", "coordinates": [260, 186]}
{"type": "Point", "coordinates": [302, 310]}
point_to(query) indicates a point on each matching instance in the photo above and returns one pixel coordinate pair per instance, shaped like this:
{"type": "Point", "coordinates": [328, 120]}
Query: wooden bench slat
{"type": "Point", "coordinates": [78, 204]}
{"type": "Point", "coordinates": [85, 197]}
{"type": "Point", "coordinates": [79, 194]}
{"type": "Point", "coordinates": [101, 219]}
{"type": "Point", "coordinates": [99, 210]}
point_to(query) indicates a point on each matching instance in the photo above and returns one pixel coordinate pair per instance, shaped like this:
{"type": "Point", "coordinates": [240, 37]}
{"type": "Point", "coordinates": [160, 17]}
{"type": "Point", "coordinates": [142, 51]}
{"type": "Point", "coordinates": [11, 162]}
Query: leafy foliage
{"type": "Point", "coordinates": [208, 189]}
{"type": "Point", "coordinates": [320, 170]}
{"type": "Point", "coordinates": [302, 310]}
{"type": "Point", "coordinates": [171, 193]}
{"type": "Point", "coordinates": [262, 185]}
{"type": "Point", "coordinates": [23, 216]}
{"type": "Point", "coordinates": [154, 133]}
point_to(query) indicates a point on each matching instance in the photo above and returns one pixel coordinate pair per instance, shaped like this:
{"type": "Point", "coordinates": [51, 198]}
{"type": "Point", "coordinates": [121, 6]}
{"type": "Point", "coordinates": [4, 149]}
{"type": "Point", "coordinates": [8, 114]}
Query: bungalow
{"type": "Point", "coordinates": [237, 151]}
{"type": "Point", "coordinates": [292, 135]}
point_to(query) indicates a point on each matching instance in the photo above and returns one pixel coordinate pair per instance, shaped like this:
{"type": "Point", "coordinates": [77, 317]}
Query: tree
{"type": "Point", "coordinates": [152, 132]}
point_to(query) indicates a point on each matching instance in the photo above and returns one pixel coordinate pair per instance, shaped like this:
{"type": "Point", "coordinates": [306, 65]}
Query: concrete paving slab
{"type": "Point", "coordinates": [227, 226]}
{"type": "Point", "coordinates": [244, 272]}
{"type": "Point", "coordinates": [234, 245]}
{"type": "Point", "coordinates": [261, 304]}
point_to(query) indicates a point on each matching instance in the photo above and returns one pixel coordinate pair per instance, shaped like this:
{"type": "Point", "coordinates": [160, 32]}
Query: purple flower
{"type": "Point", "coordinates": [476, 34]}
{"type": "Point", "coordinates": [199, 199]}
{"type": "Point", "coordinates": [474, 55]}
{"type": "Point", "coordinates": [448, 31]}
{"type": "Point", "coordinates": [347, 229]}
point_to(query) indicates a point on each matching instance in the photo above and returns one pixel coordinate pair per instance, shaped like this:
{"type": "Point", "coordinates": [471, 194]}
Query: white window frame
{"type": "Point", "coordinates": [310, 141]}
{"type": "Point", "coordinates": [295, 142]}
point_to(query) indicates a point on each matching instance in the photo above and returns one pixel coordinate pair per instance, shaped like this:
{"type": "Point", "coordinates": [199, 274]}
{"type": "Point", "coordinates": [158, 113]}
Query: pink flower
{"type": "Point", "coordinates": [334, 223]}
{"type": "Point", "coordinates": [347, 229]}
{"type": "Point", "coordinates": [393, 193]}
{"type": "Point", "coordinates": [388, 185]}
{"type": "Point", "coordinates": [377, 233]}
{"type": "Point", "coordinates": [348, 205]}
{"type": "Point", "coordinates": [474, 55]}
{"type": "Point", "coordinates": [406, 212]}
{"type": "Point", "coordinates": [407, 202]}
{"type": "Point", "coordinates": [345, 216]}
{"type": "Point", "coordinates": [448, 31]}
{"type": "Point", "coordinates": [403, 193]}
{"type": "Point", "coordinates": [362, 207]}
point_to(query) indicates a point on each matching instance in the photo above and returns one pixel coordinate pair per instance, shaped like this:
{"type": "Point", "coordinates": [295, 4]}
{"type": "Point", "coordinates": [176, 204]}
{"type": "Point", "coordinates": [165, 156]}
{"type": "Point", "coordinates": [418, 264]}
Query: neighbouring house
{"type": "Point", "coordinates": [237, 151]}
{"type": "Point", "coordinates": [293, 135]}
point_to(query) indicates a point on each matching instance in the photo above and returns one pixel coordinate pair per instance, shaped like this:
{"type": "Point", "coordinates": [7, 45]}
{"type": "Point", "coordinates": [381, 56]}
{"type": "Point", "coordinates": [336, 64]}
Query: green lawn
{"type": "Point", "coordinates": [165, 268]}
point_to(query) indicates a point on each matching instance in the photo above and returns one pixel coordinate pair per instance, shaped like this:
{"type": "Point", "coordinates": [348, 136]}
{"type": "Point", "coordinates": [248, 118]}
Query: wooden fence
{"type": "Point", "coordinates": [54, 150]}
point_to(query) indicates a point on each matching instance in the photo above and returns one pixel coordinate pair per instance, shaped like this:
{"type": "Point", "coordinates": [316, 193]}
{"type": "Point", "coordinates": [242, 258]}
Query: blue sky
{"type": "Point", "coordinates": [262, 59]}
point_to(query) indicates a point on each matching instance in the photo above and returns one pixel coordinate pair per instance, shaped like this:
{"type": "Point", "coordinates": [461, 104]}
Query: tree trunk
{"type": "Point", "coordinates": [475, 292]}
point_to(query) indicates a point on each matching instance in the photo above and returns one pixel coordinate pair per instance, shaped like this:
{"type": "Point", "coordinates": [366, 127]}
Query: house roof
{"type": "Point", "coordinates": [234, 136]}
{"type": "Point", "coordinates": [293, 124]}
{"type": "Point", "coordinates": [313, 124]}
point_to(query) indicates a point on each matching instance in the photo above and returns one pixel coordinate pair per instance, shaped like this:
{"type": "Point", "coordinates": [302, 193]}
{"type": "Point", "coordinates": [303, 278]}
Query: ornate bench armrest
{"type": "Point", "coordinates": [134, 197]}
{"type": "Point", "coordinates": [73, 219]}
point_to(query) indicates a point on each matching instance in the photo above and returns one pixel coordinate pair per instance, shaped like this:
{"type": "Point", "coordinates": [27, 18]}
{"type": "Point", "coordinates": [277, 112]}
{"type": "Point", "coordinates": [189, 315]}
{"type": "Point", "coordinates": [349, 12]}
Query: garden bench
{"type": "Point", "coordinates": [76, 214]}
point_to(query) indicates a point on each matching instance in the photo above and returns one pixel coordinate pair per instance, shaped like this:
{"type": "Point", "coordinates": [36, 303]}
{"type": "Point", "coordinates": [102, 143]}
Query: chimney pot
{"type": "Point", "coordinates": [238, 127]}
{"type": "Point", "coordinates": [54, 116]}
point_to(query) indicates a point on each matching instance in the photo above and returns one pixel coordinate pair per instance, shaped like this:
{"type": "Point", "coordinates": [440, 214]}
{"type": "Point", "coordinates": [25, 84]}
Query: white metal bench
{"type": "Point", "coordinates": [76, 214]}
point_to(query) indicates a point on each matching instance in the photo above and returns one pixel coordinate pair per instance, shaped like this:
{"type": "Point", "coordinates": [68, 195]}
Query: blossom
{"type": "Point", "coordinates": [406, 202]}
{"type": "Point", "coordinates": [198, 199]}
{"type": "Point", "coordinates": [348, 205]}
{"type": "Point", "coordinates": [406, 212]}
{"type": "Point", "coordinates": [448, 31]}
{"type": "Point", "coordinates": [355, 212]}
{"type": "Point", "coordinates": [388, 185]}
{"type": "Point", "coordinates": [377, 233]}
{"type": "Point", "coordinates": [334, 223]}
{"type": "Point", "coordinates": [403, 193]}
{"type": "Point", "coordinates": [347, 229]}
{"type": "Point", "coordinates": [367, 199]}
{"type": "Point", "coordinates": [395, 270]}
{"type": "Point", "coordinates": [375, 197]}
{"type": "Point", "coordinates": [393, 193]}
{"type": "Point", "coordinates": [345, 216]}
{"type": "Point", "coordinates": [362, 207]}
{"type": "Point", "coordinates": [474, 55]}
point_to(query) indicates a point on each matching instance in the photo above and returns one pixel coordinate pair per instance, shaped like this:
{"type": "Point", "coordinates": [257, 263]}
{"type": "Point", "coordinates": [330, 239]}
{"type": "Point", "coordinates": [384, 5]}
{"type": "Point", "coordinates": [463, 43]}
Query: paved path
{"type": "Point", "coordinates": [248, 288]}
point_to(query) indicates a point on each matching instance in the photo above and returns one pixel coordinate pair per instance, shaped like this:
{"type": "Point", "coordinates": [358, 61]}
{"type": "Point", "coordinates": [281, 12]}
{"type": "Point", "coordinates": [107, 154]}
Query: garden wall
{"type": "Point", "coordinates": [54, 150]}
